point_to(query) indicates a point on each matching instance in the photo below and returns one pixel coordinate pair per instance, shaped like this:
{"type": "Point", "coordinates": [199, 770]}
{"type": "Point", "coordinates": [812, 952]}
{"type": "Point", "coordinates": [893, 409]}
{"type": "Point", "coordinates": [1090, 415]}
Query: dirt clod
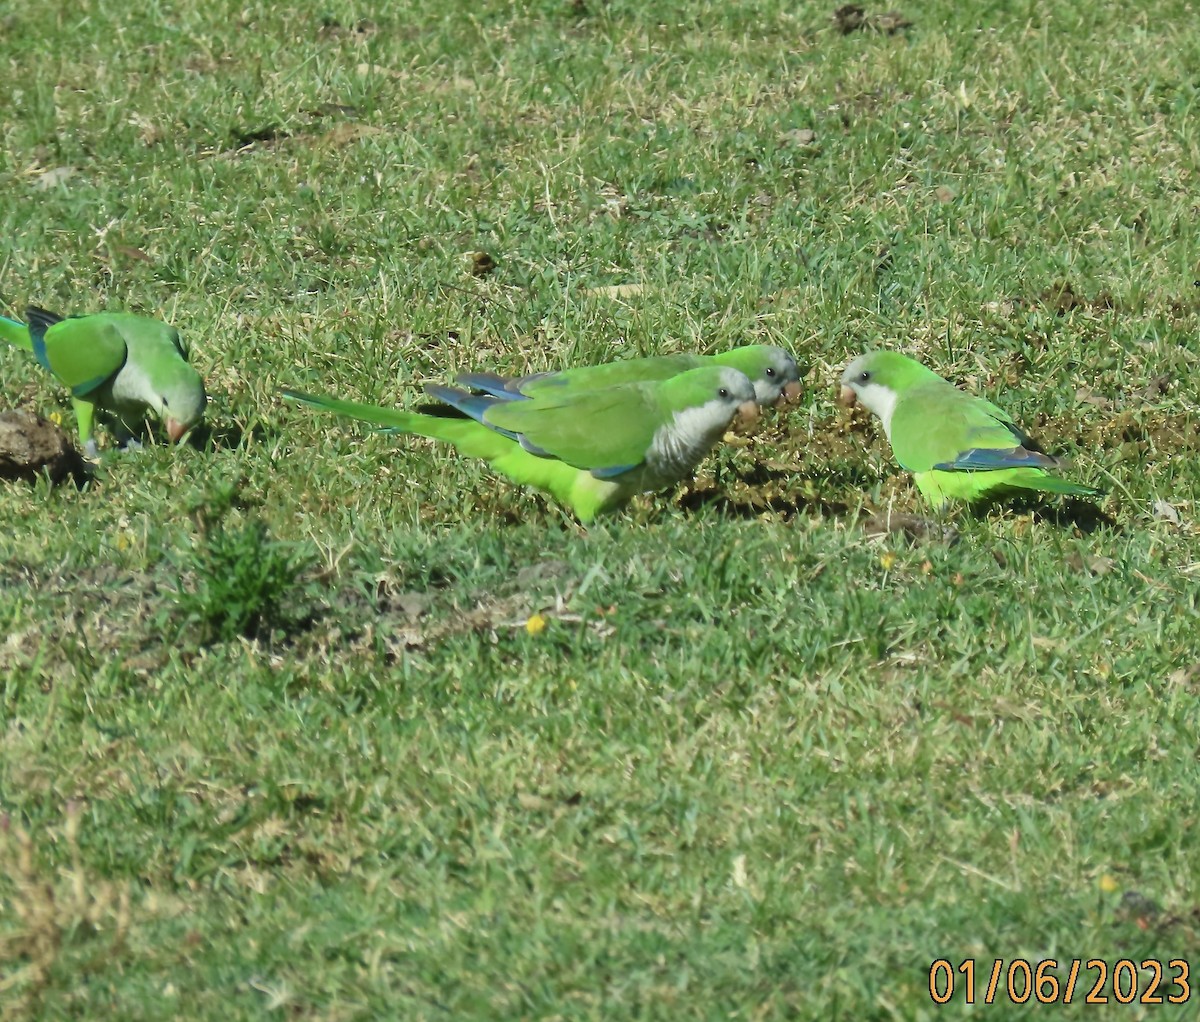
{"type": "Point", "coordinates": [31, 446]}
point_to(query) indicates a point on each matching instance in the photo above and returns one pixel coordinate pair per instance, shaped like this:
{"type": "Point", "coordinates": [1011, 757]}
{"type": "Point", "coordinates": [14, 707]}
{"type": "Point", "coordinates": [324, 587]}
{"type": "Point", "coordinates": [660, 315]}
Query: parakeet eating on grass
{"type": "Point", "coordinates": [118, 363]}
{"type": "Point", "coordinates": [592, 450]}
{"type": "Point", "coordinates": [772, 370]}
{"type": "Point", "coordinates": [957, 447]}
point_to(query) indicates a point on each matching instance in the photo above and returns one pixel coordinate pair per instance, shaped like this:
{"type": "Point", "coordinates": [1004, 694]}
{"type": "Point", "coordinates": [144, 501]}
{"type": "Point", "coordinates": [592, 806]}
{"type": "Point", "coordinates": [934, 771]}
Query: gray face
{"type": "Point", "coordinates": [186, 403]}
{"type": "Point", "coordinates": [780, 379]}
{"type": "Point", "coordinates": [733, 391]}
{"type": "Point", "coordinates": [733, 394]}
{"type": "Point", "coordinates": [682, 443]}
{"type": "Point", "coordinates": [861, 384]}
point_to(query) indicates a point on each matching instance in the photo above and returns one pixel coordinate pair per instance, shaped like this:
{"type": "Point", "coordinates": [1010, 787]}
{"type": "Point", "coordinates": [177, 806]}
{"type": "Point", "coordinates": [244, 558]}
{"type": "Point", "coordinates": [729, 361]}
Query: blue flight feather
{"type": "Point", "coordinates": [490, 383]}
{"type": "Point", "coordinates": [986, 459]}
{"type": "Point", "coordinates": [39, 321]}
{"type": "Point", "coordinates": [474, 405]}
{"type": "Point", "coordinates": [613, 472]}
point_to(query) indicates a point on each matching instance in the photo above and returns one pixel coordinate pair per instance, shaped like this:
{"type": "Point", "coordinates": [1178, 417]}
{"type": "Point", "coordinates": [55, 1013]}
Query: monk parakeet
{"type": "Point", "coordinates": [591, 450]}
{"type": "Point", "coordinates": [121, 364]}
{"type": "Point", "coordinates": [956, 446]}
{"type": "Point", "coordinates": [772, 370]}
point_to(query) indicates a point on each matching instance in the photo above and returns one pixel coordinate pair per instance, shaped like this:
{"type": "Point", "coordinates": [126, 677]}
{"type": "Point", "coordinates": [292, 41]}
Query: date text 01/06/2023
{"type": "Point", "coordinates": [1094, 980]}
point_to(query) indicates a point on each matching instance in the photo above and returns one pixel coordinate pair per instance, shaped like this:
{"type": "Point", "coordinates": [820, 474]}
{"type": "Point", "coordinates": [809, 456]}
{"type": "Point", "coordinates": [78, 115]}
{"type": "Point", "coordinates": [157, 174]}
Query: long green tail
{"type": "Point", "coordinates": [1038, 480]}
{"type": "Point", "coordinates": [586, 495]}
{"type": "Point", "coordinates": [16, 333]}
{"type": "Point", "coordinates": [467, 435]}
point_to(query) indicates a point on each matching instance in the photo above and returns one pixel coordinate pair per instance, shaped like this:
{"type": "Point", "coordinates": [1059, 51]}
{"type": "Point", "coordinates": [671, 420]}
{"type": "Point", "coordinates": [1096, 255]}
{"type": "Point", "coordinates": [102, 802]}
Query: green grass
{"type": "Point", "coordinates": [309, 755]}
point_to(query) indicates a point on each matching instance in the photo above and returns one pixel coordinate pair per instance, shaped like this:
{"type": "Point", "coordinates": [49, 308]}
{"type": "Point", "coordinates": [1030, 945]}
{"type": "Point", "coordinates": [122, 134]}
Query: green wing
{"type": "Point", "coordinates": [934, 424]}
{"type": "Point", "coordinates": [83, 353]}
{"type": "Point", "coordinates": [586, 378]}
{"type": "Point", "coordinates": [568, 382]}
{"type": "Point", "coordinates": [142, 333]}
{"type": "Point", "coordinates": [604, 431]}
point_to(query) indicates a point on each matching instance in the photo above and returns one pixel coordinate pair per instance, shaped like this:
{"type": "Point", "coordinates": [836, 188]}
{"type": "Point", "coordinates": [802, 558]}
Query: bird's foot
{"type": "Point", "coordinates": [90, 450]}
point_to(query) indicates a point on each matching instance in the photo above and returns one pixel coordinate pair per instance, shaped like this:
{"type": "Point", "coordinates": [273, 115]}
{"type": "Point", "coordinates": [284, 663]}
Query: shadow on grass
{"type": "Point", "coordinates": [768, 493]}
{"type": "Point", "coordinates": [1083, 515]}
{"type": "Point", "coordinates": [227, 436]}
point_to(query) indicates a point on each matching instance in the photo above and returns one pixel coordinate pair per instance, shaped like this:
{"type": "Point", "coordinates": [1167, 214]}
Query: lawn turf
{"type": "Point", "coordinates": [304, 721]}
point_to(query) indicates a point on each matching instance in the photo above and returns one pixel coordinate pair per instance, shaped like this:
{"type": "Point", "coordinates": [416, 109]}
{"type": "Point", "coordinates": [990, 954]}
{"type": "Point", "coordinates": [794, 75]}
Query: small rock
{"type": "Point", "coordinates": [891, 22]}
{"type": "Point", "coordinates": [53, 178]}
{"type": "Point", "coordinates": [1167, 512]}
{"type": "Point", "coordinates": [799, 137]}
{"type": "Point", "coordinates": [31, 446]}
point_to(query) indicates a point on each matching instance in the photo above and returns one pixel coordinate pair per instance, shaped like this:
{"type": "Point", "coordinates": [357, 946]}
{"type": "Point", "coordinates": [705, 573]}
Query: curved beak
{"type": "Point", "coordinates": [747, 413]}
{"type": "Point", "coordinates": [175, 430]}
{"type": "Point", "coordinates": [847, 397]}
{"type": "Point", "coordinates": [791, 392]}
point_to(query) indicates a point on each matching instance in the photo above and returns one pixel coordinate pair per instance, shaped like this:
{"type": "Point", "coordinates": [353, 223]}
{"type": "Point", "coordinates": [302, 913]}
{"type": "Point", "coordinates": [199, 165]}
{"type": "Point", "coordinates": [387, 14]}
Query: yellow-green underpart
{"type": "Point", "coordinates": [938, 487]}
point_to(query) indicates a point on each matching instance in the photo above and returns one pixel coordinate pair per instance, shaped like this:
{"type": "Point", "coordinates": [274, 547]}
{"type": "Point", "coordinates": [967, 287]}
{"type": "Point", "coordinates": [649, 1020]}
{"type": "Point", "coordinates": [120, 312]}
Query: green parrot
{"type": "Point", "coordinates": [591, 450]}
{"type": "Point", "coordinates": [120, 364]}
{"type": "Point", "coordinates": [957, 447]}
{"type": "Point", "coordinates": [772, 370]}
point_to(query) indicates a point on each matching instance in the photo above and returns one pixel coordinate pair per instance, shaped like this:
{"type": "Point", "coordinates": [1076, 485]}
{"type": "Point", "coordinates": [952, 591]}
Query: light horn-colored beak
{"type": "Point", "coordinates": [847, 396]}
{"type": "Point", "coordinates": [175, 430]}
{"type": "Point", "coordinates": [747, 413]}
{"type": "Point", "coordinates": [790, 393]}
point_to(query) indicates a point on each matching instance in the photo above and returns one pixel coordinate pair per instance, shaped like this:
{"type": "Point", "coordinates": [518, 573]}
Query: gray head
{"type": "Point", "coordinates": [774, 372]}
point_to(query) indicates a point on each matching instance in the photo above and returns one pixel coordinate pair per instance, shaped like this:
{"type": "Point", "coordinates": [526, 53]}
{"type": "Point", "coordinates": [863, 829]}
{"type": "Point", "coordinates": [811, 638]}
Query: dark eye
{"type": "Point", "coordinates": [723, 392]}
{"type": "Point", "coordinates": [770, 370]}
{"type": "Point", "coordinates": [864, 376]}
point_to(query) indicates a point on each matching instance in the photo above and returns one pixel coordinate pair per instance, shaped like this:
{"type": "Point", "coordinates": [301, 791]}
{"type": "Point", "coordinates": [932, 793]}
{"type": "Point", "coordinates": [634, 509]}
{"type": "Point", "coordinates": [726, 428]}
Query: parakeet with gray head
{"type": "Point", "coordinates": [957, 446]}
{"type": "Point", "coordinates": [591, 450]}
{"type": "Point", "coordinates": [119, 364]}
{"type": "Point", "coordinates": [772, 370]}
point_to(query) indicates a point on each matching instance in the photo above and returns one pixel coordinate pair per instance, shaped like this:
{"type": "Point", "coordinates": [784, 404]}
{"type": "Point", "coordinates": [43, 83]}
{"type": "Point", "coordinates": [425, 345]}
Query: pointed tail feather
{"type": "Point", "coordinates": [468, 436]}
{"type": "Point", "coordinates": [396, 420]}
{"type": "Point", "coordinates": [15, 333]}
{"type": "Point", "coordinates": [1053, 484]}
{"type": "Point", "coordinates": [586, 495]}
{"type": "Point", "coordinates": [389, 418]}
